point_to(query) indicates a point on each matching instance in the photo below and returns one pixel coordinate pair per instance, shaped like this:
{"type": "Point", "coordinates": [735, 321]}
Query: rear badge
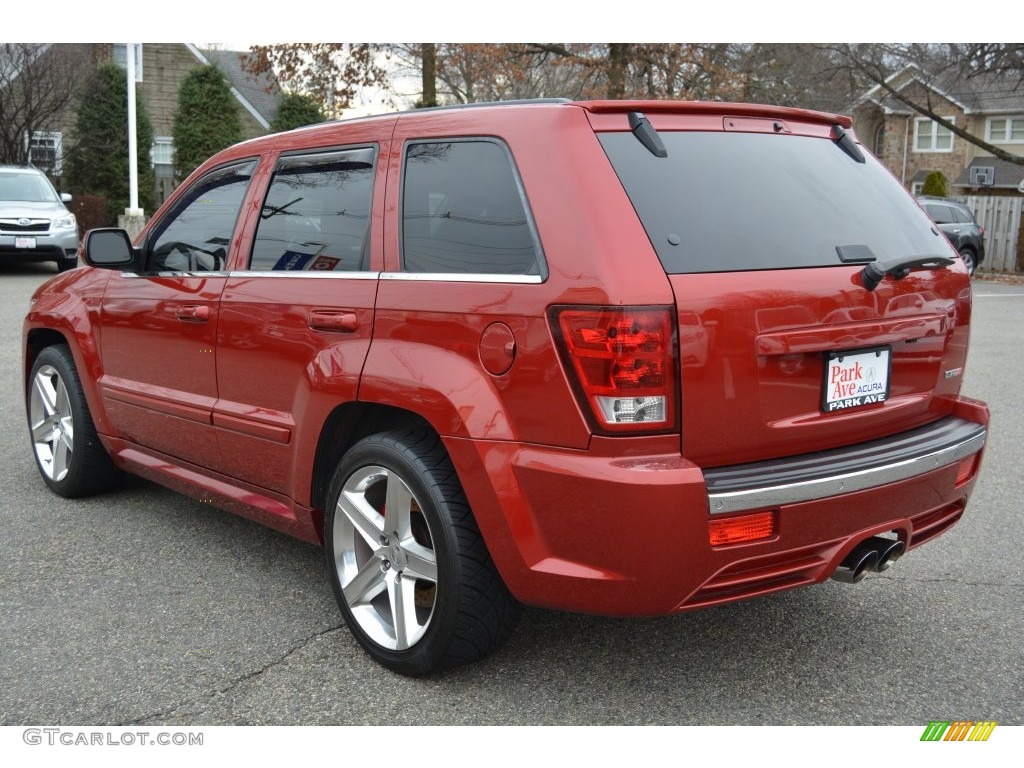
{"type": "Point", "coordinates": [855, 378]}
{"type": "Point", "coordinates": [952, 373]}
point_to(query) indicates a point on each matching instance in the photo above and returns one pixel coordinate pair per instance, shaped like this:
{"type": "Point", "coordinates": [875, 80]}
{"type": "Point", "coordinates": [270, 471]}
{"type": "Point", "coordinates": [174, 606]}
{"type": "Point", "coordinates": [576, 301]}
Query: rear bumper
{"type": "Point", "coordinates": [599, 533]}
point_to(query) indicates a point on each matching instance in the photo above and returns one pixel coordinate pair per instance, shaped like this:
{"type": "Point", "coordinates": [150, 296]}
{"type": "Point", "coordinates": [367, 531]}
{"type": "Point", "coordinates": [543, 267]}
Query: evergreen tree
{"type": "Point", "coordinates": [98, 159]}
{"type": "Point", "coordinates": [295, 110]}
{"type": "Point", "coordinates": [207, 119]}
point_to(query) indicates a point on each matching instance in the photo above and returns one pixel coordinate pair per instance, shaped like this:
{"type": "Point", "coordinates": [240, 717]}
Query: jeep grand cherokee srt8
{"type": "Point", "coordinates": [624, 358]}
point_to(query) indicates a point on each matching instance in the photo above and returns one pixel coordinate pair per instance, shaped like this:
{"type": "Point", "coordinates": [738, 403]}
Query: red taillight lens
{"type": "Point", "coordinates": [623, 362]}
{"type": "Point", "coordinates": [736, 530]}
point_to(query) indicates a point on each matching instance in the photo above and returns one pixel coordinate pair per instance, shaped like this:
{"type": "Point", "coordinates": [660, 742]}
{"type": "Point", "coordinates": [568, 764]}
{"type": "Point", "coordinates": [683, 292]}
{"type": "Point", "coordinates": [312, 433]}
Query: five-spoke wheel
{"type": "Point", "coordinates": [51, 422]}
{"type": "Point", "coordinates": [69, 454]}
{"type": "Point", "coordinates": [408, 565]}
{"type": "Point", "coordinates": [384, 556]}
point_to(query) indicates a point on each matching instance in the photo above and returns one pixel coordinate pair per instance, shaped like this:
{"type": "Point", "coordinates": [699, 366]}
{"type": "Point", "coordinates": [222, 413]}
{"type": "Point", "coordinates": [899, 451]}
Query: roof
{"type": "Point", "coordinates": [983, 93]}
{"type": "Point", "coordinates": [1007, 175]}
{"type": "Point", "coordinates": [258, 94]}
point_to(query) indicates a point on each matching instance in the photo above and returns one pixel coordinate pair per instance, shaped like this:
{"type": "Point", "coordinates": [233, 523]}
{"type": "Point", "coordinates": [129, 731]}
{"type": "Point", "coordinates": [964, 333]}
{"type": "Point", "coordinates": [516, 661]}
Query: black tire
{"type": "Point", "coordinates": [970, 260]}
{"type": "Point", "coordinates": [63, 265]}
{"type": "Point", "coordinates": [426, 549]}
{"type": "Point", "coordinates": [70, 457]}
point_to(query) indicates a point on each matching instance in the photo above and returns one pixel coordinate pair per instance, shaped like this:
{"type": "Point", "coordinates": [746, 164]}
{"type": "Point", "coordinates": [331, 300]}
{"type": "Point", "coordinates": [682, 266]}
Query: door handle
{"type": "Point", "coordinates": [333, 320]}
{"type": "Point", "coordinates": [193, 313]}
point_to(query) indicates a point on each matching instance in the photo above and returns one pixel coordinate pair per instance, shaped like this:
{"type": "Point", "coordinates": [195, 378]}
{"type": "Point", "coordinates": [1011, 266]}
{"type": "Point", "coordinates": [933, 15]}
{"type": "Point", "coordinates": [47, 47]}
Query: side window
{"type": "Point", "coordinates": [941, 213]}
{"type": "Point", "coordinates": [316, 215]}
{"type": "Point", "coordinates": [196, 235]}
{"type": "Point", "coordinates": [463, 211]}
{"type": "Point", "coordinates": [961, 216]}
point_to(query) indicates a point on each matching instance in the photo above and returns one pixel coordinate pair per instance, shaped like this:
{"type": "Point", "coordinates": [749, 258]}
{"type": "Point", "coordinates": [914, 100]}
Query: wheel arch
{"type": "Point", "coordinates": [346, 425]}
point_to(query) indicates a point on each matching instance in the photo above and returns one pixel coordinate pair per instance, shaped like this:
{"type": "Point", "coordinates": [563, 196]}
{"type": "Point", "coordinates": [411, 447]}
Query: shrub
{"type": "Point", "coordinates": [936, 185]}
{"type": "Point", "coordinates": [91, 211]}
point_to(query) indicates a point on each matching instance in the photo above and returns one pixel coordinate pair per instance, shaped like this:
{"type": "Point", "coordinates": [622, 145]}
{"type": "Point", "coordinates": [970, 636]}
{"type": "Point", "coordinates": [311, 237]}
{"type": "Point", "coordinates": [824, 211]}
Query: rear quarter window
{"type": "Point", "coordinates": [464, 211]}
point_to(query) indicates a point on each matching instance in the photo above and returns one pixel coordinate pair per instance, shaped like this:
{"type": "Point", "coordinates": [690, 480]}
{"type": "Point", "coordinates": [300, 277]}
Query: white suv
{"type": "Point", "coordinates": [34, 224]}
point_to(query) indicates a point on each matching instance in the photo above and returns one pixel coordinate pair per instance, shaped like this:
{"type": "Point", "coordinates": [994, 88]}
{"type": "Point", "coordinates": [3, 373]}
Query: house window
{"type": "Point", "coordinates": [44, 152]}
{"type": "Point", "coordinates": [1006, 130]}
{"type": "Point", "coordinates": [917, 188]}
{"type": "Point", "coordinates": [929, 136]}
{"type": "Point", "coordinates": [878, 144]}
{"type": "Point", "coordinates": [163, 150]}
{"type": "Point", "coordinates": [121, 58]}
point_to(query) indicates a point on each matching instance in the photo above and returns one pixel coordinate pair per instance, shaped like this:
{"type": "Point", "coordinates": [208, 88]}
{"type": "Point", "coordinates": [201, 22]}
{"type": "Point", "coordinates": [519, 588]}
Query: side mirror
{"type": "Point", "coordinates": [109, 248]}
{"type": "Point", "coordinates": [65, 197]}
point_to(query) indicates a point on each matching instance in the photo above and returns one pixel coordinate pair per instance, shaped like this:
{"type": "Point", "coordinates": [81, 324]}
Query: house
{"type": "Point", "coordinates": [159, 71]}
{"type": "Point", "coordinates": [912, 146]}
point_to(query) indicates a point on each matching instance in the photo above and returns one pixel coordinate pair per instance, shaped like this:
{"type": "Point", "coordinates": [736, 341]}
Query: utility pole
{"type": "Point", "coordinates": [134, 217]}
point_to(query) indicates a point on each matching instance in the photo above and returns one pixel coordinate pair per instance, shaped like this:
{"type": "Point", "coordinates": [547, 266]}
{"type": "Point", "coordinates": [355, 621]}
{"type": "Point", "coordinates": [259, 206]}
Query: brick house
{"type": "Point", "coordinates": [160, 69]}
{"type": "Point", "coordinates": [912, 146]}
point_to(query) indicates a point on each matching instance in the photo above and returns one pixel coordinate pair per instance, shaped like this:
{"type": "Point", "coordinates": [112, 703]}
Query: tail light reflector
{"type": "Point", "coordinates": [736, 530]}
{"type": "Point", "coordinates": [622, 363]}
{"type": "Point", "coordinates": [966, 468]}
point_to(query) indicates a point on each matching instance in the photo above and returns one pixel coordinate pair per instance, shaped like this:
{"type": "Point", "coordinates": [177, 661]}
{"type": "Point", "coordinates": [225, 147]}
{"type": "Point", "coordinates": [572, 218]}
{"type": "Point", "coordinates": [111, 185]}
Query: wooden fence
{"type": "Point", "coordinates": [1001, 218]}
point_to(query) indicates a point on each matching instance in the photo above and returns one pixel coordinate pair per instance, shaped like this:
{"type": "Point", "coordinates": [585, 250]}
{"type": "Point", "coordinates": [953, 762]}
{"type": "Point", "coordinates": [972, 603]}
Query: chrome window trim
{"type": "Point", "coordinates": [462, 277]}
{"type": "Point", "coordinates": [313, 275]}
{"type": "Point", "coordinates": [241, 273]}
{"type": "Point", "coordinates": [819, 488]}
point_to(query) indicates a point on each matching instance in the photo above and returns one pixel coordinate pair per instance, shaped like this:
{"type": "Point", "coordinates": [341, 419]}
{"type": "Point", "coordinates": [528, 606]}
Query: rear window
{"type": "Point", "coordinates": [723, 202]}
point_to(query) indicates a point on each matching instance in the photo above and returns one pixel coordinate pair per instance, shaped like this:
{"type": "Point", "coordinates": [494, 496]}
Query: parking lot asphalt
{"type": "Point", "coordinates": [144, 607]}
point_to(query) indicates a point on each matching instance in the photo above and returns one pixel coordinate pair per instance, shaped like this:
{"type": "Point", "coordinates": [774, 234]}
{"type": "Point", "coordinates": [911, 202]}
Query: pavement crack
{"type": "Point", "coordinates": [234, 682]}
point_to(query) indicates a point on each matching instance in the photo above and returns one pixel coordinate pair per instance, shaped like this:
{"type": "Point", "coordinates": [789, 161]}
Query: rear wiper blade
{"type": "Point", "coordinates": [899, 268]}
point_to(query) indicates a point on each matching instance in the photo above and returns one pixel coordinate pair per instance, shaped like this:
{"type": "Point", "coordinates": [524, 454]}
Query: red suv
{"type": "Point", "coordinates": [625, 358]}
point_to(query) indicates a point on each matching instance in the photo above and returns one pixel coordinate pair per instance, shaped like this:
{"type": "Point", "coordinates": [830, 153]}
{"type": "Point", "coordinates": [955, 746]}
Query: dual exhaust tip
{"type": "Point", "coordinates": [873, 554]}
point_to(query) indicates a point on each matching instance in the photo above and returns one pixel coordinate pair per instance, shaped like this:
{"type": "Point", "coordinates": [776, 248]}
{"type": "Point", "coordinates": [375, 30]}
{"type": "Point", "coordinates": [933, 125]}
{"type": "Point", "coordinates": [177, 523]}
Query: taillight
{"type": "Point", "coordinates": [623, 364]}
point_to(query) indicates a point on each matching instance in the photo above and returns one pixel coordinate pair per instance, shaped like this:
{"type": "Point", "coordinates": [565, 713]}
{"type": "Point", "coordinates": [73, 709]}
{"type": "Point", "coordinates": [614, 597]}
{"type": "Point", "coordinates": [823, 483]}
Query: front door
{"type": "Point", "coordinates": [158, 327]}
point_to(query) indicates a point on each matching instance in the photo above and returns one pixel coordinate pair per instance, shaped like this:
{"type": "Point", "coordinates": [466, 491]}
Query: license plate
{"type": "Point", "coordinates": [24, 242]}
{"type": "Point", "coordinates": [855, 378]}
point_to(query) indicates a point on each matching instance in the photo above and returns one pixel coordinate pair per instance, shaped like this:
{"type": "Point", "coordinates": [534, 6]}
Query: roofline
{"type": "Point", "coordinates": [234, 91]}
{"type": "Point", "coordinates": [870, 94]}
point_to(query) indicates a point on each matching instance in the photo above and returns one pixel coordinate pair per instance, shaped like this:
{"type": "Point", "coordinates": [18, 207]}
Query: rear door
{"type": "Point", "coordinates": [297, 319]}
{"type": "Point", "coordinates": [763, 227]}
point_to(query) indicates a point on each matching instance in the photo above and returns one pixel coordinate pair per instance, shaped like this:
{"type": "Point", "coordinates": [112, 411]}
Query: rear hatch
{"type": "Point", "coordinates": [764, 223]}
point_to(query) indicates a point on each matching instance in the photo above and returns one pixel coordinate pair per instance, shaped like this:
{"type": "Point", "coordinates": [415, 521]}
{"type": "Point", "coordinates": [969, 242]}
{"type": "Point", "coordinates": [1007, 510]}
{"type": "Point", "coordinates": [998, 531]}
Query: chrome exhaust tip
{"type": "Point", "coordinates": [862, 560]}
{"type": "Point", "coordinates": [873, 554]}
{"type": "Point", "coordinates": [889, 552]}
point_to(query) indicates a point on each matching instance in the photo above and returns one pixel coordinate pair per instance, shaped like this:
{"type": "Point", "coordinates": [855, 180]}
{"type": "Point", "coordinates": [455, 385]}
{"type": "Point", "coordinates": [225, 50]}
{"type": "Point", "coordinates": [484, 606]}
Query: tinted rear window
{"type": "Point", "coordinates": [724, 202]}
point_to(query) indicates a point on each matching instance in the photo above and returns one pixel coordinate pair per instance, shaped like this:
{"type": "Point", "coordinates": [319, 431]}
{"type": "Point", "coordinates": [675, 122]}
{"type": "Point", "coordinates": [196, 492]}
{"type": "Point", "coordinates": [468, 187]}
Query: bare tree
{"type": "Point", "coordinates": [331, 72]}
{"type": "Point", "coordinates": [943, 66]}
{"type": "Point", "coordinates": [38, 84]}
